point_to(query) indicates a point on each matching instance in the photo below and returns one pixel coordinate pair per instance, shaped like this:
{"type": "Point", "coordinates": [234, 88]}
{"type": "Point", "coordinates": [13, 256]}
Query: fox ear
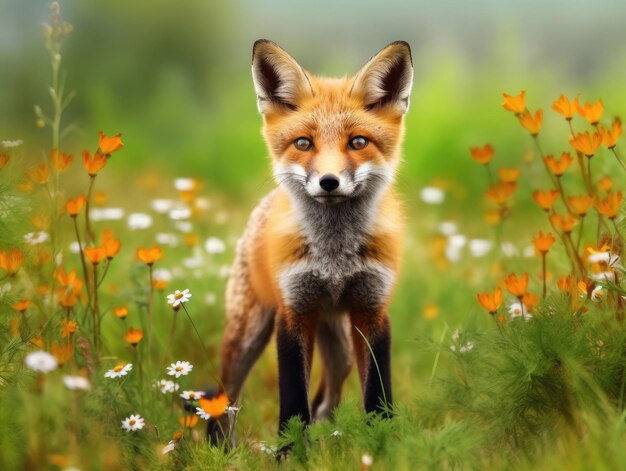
{"type": "Point", "coordinates": [279, 80]}
{"type": "Point", "coordinates": [386, 80]}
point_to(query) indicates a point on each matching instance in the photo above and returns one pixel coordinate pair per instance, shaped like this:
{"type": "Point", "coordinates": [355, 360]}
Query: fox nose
{"type": "Point", "coordinates": [329, 182]}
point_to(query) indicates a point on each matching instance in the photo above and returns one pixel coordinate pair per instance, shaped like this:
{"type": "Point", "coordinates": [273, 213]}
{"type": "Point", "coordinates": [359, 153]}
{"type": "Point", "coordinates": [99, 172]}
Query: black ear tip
{"type": "Point", "coordinates": [261, 42]}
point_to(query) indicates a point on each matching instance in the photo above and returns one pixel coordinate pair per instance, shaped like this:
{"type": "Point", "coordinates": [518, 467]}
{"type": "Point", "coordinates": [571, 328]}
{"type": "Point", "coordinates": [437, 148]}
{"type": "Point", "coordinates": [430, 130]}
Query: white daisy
{"type": "Point", "coordinates": [518, 310]}
{"type": "Point", "coordinates": [12, 144]}
{"type": "Point", "coordinates": [132, 423]}
{"type": "Point", "coordinates": [184, 184]}
{"type": "Point", "coordinates": [448, 228]}
{"type": "Point", "coordinates": [167, 238]}
{"type": "Point", "coordinates": [138, 221]}
{"type": "Point", "coordinates": [74, 247]}
{"type": "Point", "coordinates": [35, 238]}
{"type": "Point", "coordinates": [119, 370]}
{"type": "Point", "coordinates": [180, 214]}
{"type": "Point", "coordinates": [106, 214]}
{"type": "Point", "coordinates": [162, 205]}
{"type": "Point", "coordinates": [192, 395]}
{"type": "Point", "coordinates": [41, 361]}
{"type": "Point", "coordinates": [336, 433]}
{"type": "Point", "coordinates": [192, 262]}
{"type": "Point", "coordinates": [166, 386]}
{"type": "Point", "coordinates": [162, 274]}
{"type": "Point", "coordinates": [170, 447]}
{"type": "Point", "coordinates": [76, 382]}
{"type": "Point", "coordinates": [600, 257]}
{"type": "Point", "coordinates": [214, 245]}
{"type": "Point", "coordinates": [177, 298]}
{"type": "Point", "coordinates": [184, 226]}
{"type": "Point", "coordinates": [432, 195]}
{"type": "Point", "coordinates": [479, 247]}
{"type": "Point", "coordinates": [467, 347]}
{"type": "Point", "coordinates": [180, 368]}
{"type": "Point", "coordinates": [203, 415]}
{"type": "Point", "coordinates": [597, 294]}
{"type": "Point", "coordinates": [367, 459]}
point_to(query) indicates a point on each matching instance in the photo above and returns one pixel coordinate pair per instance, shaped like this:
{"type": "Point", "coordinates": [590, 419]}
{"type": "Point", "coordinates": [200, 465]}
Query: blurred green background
{"type": "Point", "coordinates": [174, 76]}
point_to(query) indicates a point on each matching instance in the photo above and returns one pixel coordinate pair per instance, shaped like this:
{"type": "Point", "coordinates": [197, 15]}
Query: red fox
{"type": "Point", "coordinates": [320, 256]}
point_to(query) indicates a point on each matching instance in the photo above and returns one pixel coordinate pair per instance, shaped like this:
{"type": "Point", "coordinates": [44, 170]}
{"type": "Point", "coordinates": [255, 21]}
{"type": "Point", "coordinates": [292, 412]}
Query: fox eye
{"type": "Point", "coordinates": [304, 144]}
{"type": "Point", "coordinates": [358, 143]}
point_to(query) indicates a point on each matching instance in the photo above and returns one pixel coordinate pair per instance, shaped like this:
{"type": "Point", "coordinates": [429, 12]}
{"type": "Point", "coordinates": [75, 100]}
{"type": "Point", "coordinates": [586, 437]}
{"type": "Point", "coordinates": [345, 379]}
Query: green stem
{"type": "Point", "coordinates": [90, 235]}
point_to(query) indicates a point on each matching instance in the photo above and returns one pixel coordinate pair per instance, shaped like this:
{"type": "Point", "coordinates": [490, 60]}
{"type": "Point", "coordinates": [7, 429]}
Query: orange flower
{"type": "Point", "coordinates": [108, 145]}
{"type": "Point", "coordinates": [39, 174]}
{"type": "Point", "coordinates": [60, 160]}
{"type": "Point", "coordinates": [149, 256]}
{"type": "Point", "coordinates": [100, 198]}
{"type": "Point", "coordinates": [509, 175]}
{"type": "Point", "coordinates": [491, 302]}
{"type": "Point", "coordinates": [94, 164]}
{"type": "Point", "coordinates": [580, 204]}
{"type": "Point", "coordinates": [585, 143]}
{"type": "Point", "coordinates": [591, 112]}
{"type": "Point", "coordinates": [95, 254]}
{"type": "Point", "coordinates": [11, 260]}
{"type": "Point", "coordinates": [515, 104]}
{"type": "Point", "coordinates": [565, 223]}
{"type": "Point", "coordinates": [74, 206]}
{"type": "Point", "coordinates": [543, 242]}
{"type": "Point", "coordinates": [558, 167]}
{"type": "Point", "coordinates": [4, 160]}
{"type": "Point", "coordinates": [501, 192]}
{"type": "Point", "coordinates": [611, 136]}
{"type": "Point", "coordinates": [68, 328]}
{"type": "Point", "coordinates": [482, 155]}
{"type": "Point", "coordinates": [68, 299]}
{"type": "Point", "coordinates": [530, 300]}
{"type": "Point", "coordinates": [178, 436]}
{"type": "Point", "coordinates": [517, 286]}
{"type": "Point", "coordinates": [111, 244]}
{"type": "Point", "coordinates": [609, 207]}
{"type": "Point", "coordinates": [133, 336]}
{"type": "Point", "coordinates": [546, 199]}
{"type": "Point", "coordinates": [159, 284]}
{"type": "Point", "coordinates": [121, 312]}
{"type": "Point", "coordinates": [21, 305]}
{"type": "Point", "coordinates": [563, 106]}
{"type": "Point", "coordinates": [68, 280]}
{"type": "Point", "coordinates": [605, 183]}
{"type": "Point", "coordinates": [63, 352]}
{"type": "Point", "coordinates": [40, 221]}
{"type": "Point", "coordinates": [530, 122]}
{"type": "Point", "coordinates": [216, 406]}
{"type": "Point", "coordinates": [188, 421]}
{"type": "Point", "coordinates": [565, 283]}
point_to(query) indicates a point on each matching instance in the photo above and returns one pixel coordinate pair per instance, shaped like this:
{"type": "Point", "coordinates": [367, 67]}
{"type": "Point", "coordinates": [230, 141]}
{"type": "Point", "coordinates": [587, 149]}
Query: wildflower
{"type": "Point", "coordinates": [430, 311]}
{"type": "Point", "coordinates": [11, 260]}
{"type": "Point", "coordinates": [133, 423]}
{"type": "Point", "coordinates": [501, 192]}
{"type": "Point", "coordinates": [479, 247]}
{"type": "Point", "coordinates": [149, 256]}
{"type": "Point", "coordinates": [580, 205]}
{"type": "Point", "coordinates": [490, 302]}
{"type": "Point", "coordinates": [214, 245]}
{"type": "Point", "coordinates": [95, 254]}
{"type": "Point", "coordinates": [565, 223]}
{"type": "Point", "coordinates": [36, 238]}
{"type": "Point", "coordinates": [591, 112]}
{"type": "Point", "coordinates": [62, 352]}
{"type": "Point", "coordinates": [530, 122]}
{"type": "Point", "coordinates": [41, 361]}
{"type": "Point", "coordinates": [611, 136]}
{"type": "Point", "coordinates": [192, 395]}
{"type": "Point", "coordinates": [188, 421]}
{"type": "Point", "coordinates": [609, 207]}
{"type": "Point", "coordinates": [530, 300]}
{"type": "Point", "coordinates": [120, 312]}
{"type": "Point", "coordinates": [565, 283]}
{"type": "Point", "coordinates": [180, 213]}
{"type": "Point", "coordinates": [76, 382]}
{"type": "Point", "coordinates": [178, 436]}
{"type": "Point", "coordinates": [518, 309]}
{"type": "Point", "coordinates": [517, 286]}
{"type": "Point", "coordinates": [166, 238]}
{"type": "Point", "coordinates": [100, 198]}
{"type": "Point", "coordinates": [367, 460]}
{"type": "Point", "coordinates": [178, 298]}
{"type": "Point", "coordinates": [597, 294]}
{"type": "Point", "coordinates": [21, 305]}
{"type": "Point", "coordinates": [68, 328]}
{"type": "Point", "coordinates": [336, 433]}
{"type": "Point", "coordinates": [543, 243]}
{"type": "Point", "coordinates": [161, 206]}
{"type": "Point", "coordinates": [119, 370]}
{"type": "Point", "coordinates": [166, 386]}
{"type": "Point", "coordinates": [546, 199]}
{"type": "Point", "coordinates": [482, 155]}
{"type": "Point", "coordinates": [11, 144]}
{"type": "Point", "coordinates": [170, 447]}
{"type": "Point", "coordinates": [583, 289]}
{"type": "Point", "coordinates": [93, 164]}
{"type": "Point", "coordinates": [605, 183]}
{"type": "Point", "coordinates": [180, 368]}
{"type": "Point", "coordinates": [214, 407]}
{"type": "Point", "coordinates": [563, 106]}
{"type": "Point", "coordinates": [111, 244]}
{"type": "Point", "coordinates": [133, 336]}
{"type": "Point", "coordinates": [74, 206]}
{"type": "Point", "coordinates": [185, 184]}
{"type": "Point", "coordinates": [509, 175]}
{"type": "Point", "coordinates": [432, 195]}
{"type": "Point", "coordinates": [139, 221]}
{"type": "Point", "coordinates": [60, 160]}
{"type": "Point", "coordinates": [515, 104]}
{"type": "Point", "coordinates": [39, 174]}
{"type": "Point", "coordinates": [4, 160]}
{"type": "Point", "coordinates": [108, 145]}
{"type": "Point", "coordinates": [106, 214]}
{"type": "Point", "coordinates": [586, 143]}
{"type": "Point", "coordinates": [558, 167]}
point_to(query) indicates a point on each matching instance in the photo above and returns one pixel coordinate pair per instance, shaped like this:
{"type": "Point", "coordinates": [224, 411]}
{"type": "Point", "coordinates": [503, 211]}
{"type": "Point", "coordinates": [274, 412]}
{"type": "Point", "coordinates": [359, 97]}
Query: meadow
{"type": "Point", "coordinates": [508, 339]}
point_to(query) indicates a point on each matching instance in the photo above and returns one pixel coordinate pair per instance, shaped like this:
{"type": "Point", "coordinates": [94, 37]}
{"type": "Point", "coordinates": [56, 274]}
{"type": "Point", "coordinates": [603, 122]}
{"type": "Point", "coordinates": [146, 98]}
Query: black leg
{"type": "Point", "coordinates": [292, 374]}
{"type": "Point", "coordinates": [377, 391]}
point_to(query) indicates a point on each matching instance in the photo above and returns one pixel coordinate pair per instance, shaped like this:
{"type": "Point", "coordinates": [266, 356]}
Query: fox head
{"type": "Point", "coordinates": [332, 140]}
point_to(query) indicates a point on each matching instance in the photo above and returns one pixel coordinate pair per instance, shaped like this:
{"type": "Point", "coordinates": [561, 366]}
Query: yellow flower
{"type": "Point", "coordinates": [501, 192]}
{"type": "Point", "coordinates": [60, 160]}
{"type": "Point", "coordinates": [586, 143]}
{"type": "Point", "coordinates": [558, 167]}
{"type": "Point", "coordinates": [120, 312]}
{"type": "Point", "coordinates": [591, 112]}
{"type": "Point", "coordinates": [609, 207]}
{"type": "Point", "coordinates": [546, 199]}
{"type": "Point", "coordinates": [68, 328]}
{"type": "Point", "coordinates": [515, 104]}
{"type": "Point", "coordinates": [580, 204]}
{"type": "Point", "coordinates": [563, 106]}
{"type": "Point", "coordinates": [611, 136]}
{"type": "Point", "coordinates": [509, 175]}
{"type": "Point", "coordinates": [605, 183]}
{"type": "Point", "coordinates": [565, 223]}
{"type": "Point", "coordinates": [39, 174]}
{"type": "Point", "coordinates": [530, 122]}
